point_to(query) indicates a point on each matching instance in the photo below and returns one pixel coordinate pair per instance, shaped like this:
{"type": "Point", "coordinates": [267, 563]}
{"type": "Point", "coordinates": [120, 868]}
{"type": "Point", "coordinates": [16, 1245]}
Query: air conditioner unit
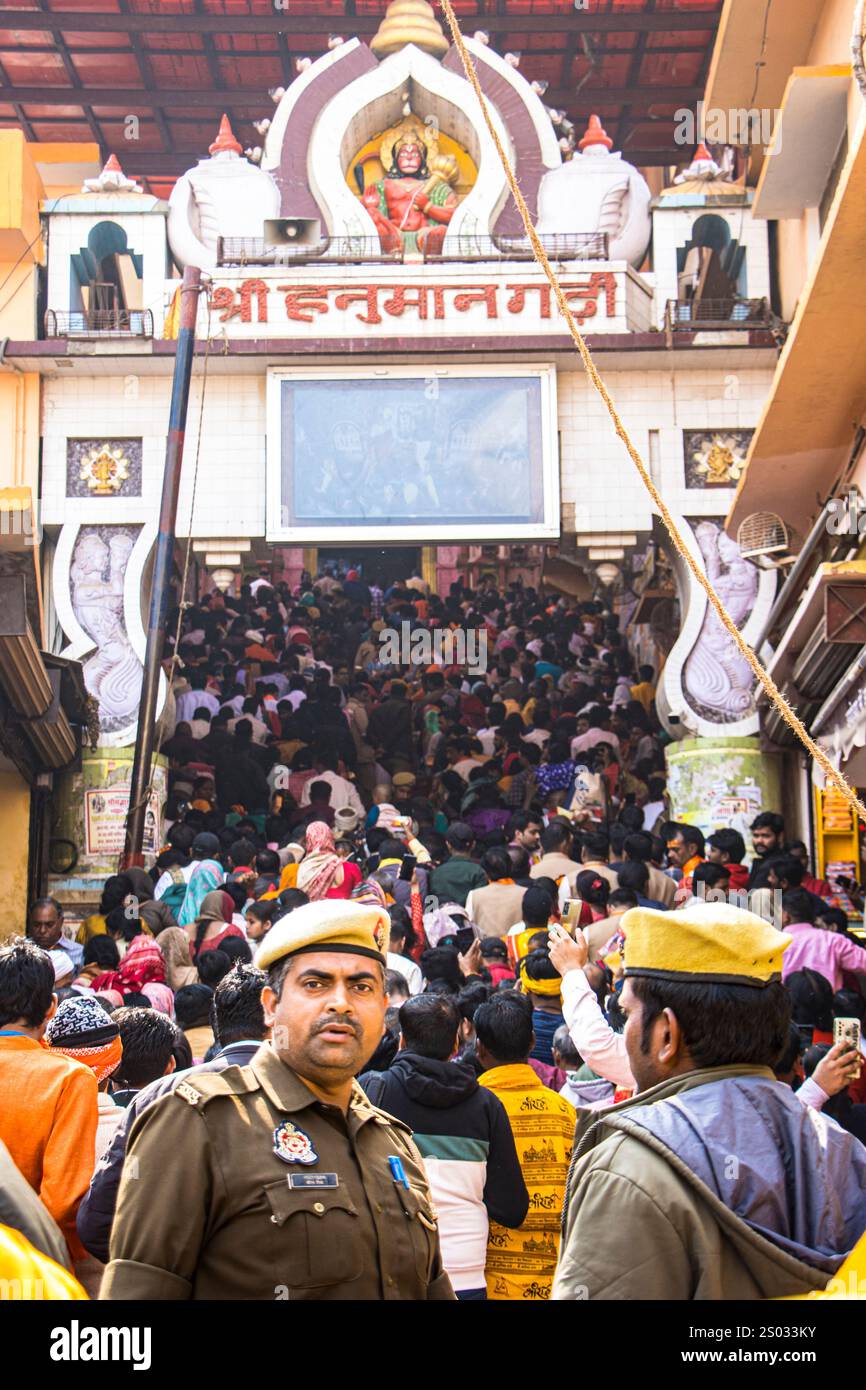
{"type": "Point", "coordinates": [775, 728]}
{"type": "Point", "coordinates": [762, 533]}
{"type": "Point", "coordinates": [821, 664]}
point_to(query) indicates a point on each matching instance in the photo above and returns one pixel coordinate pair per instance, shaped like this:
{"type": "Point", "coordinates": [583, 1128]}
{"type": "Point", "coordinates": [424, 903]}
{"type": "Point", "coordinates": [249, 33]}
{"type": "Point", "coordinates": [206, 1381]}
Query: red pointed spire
{"type": "Point", "coordinates": [595, 135]}
{"type": "Point", "coordinates": [702, 153]}
{"type": "Point", "coordinates": [112, 165]}
{"type": "Point", "coordinates": [225, 139]}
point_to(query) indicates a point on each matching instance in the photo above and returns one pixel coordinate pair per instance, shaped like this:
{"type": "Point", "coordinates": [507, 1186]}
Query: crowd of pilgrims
{"type": "Point", "coordinates": [478, 809]}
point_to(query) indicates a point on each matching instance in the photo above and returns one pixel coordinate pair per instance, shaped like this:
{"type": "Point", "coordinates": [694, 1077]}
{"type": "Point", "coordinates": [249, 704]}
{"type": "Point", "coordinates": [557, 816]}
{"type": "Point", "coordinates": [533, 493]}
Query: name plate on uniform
{"type": "Point", "coordinates": [313, 1180]}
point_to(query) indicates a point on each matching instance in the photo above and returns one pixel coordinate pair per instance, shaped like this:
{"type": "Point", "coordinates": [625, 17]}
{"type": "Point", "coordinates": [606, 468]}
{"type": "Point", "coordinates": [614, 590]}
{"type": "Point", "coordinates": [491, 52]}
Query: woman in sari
{"type": "Point", "coordinates": [179, 969]}
{"type": "Point", "coordinates": [206, 876]}
{"type": "Point", "coordinates": [213, 923]}
{"type": "Point", "coordinates": [143, 964]}
{"type": "Point", "coordinates": [322, 873]}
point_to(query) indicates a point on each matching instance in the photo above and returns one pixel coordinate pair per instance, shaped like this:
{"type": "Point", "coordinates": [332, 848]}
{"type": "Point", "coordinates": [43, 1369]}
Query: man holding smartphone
{"type": "Point", "coordinates": [713, 1182]}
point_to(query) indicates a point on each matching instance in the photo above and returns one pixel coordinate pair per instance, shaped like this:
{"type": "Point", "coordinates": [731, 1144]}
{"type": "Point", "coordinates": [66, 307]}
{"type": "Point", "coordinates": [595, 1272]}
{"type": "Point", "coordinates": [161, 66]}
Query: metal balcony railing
{"type": "Point", "coordinates": [354, 249]}
{"type": "Point", "coordinates": [99, 323]}
{"type": "Point", "coordinates": [690, 316]}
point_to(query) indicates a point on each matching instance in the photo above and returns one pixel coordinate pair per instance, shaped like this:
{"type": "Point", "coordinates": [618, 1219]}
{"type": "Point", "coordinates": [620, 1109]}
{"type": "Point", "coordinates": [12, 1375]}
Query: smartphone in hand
{"type": "Point", "coordinates": [848, 1030]}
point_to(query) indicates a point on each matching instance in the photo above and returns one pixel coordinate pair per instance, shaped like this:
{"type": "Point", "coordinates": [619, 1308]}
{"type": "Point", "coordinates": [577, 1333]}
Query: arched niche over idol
{"type": "Point", "coordinates": [106, 281]}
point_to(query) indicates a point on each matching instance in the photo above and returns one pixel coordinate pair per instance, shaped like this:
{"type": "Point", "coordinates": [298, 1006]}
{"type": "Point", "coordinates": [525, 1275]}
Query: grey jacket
{"type": "Point", "coordinates": [719, 1184]}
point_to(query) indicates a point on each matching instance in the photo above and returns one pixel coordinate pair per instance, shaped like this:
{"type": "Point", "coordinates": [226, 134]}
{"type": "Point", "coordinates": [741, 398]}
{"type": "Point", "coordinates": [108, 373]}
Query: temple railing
{"type": "Point", "coordinates": [691, 316]}
{"type": "Point", "coordinates": [349, 250]}
{"type": "Point", "coordinates": [99, 323]}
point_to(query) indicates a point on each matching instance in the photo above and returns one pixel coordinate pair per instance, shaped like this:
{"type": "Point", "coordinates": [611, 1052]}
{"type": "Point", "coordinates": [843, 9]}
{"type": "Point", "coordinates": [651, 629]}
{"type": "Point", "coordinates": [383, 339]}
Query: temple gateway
{"type": "Point", "coordinates": [383, 364]}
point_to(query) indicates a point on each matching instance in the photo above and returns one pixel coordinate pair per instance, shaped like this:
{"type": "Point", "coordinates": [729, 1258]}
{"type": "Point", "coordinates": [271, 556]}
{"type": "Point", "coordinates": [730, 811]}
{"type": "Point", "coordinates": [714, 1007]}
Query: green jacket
{"type": "Point", "coordinates": [641, 1223]}
{"type": "Point", "coordinates": [454, 880]}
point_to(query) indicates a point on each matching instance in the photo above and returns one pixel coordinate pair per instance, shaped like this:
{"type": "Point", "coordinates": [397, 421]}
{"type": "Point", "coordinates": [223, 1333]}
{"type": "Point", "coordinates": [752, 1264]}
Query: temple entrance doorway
{"type": "Point", "coordinates": [376, 565]}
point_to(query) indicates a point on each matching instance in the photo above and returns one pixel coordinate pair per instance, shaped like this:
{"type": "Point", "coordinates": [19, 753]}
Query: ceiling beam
{"type": "Point", "coordinates": [123, 50]}
{"type": "Point", "coordinates": [632, 79]}
{"type": "Point", "coordinates": [143, 59]}
{"type": "Point", "coordinates": [77, 85]}
{"type": "Point", "coordinates": [287, 23]}
{"type": "Point", "coordinates": [141, 164]}
{"type": "Point", "coordinates": [19, 110]}
{"type": "Point", "coordinates": [122, 98]}
{"type": "Point", "coordinates": [25, 125]}
{"type": "Point", "coordinates": [286, 60]}
{"type": "Point", "coordinates": [210, 51]}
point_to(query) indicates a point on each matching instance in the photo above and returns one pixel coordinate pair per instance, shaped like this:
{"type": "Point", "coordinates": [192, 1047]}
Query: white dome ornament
{"type": "Point", "coordinates": [597, 191]}
{"type": "Point", "coordinates": [705, 169]}
{"type": "Point", "coordinates": [112, 179]}
{"type": "Point", "coordinates": [703, 166]}
{"type": "Point", "coordinates": [224, 196]}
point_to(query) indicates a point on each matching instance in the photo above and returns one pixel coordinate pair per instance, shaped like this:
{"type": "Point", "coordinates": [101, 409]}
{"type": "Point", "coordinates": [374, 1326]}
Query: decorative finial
{"type": "Point", "coordinates": [225, 140]}
{"type": "Point", "coordinates": [703, 167]}
{"type": "Point", "coordinates": [409, 21]}
{"type": "Point", "coordinates": [112, 179]}
{"type": "Point", "coordinates": [595, 135]}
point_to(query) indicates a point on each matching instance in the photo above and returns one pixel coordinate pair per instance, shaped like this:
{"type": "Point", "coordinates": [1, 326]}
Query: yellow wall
{"type": "Point", "coordinates": [792, 242]}
{"type": "Point", "coordinates": [831, 44]}
{"type": "Point", "coordinates": [15, 838]}
{"type": "Point", "coordinates": [832, 39]}
{"type": "Point", "coordinates": [19, 427]}
{"type": "Point", "coordinates": [20, 192]}
{"type": "Point", "coordinates": [21, 247]}
{"type": "Point", "coordinates": [22, 251]}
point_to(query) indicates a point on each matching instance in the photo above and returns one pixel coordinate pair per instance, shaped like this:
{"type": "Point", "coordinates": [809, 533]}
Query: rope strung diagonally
{"type": "Point", "coordinates": [762, 676]}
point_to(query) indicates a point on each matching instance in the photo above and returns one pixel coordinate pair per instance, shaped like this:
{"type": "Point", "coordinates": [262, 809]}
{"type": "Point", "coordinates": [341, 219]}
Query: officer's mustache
{"type": "Point", "coordinates": [330, 1022]}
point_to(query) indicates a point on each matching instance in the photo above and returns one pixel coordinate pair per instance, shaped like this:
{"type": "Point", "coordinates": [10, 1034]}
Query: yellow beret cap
{"type": "Point", "coordinates": [328, 925]}
{"type": "Point", "coordinates": [715, 943]}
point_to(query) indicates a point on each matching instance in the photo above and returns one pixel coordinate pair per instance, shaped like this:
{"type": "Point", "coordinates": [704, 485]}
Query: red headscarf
{"type": "Point", "coordinates": [143, 964]}
{"type": "Point", "coordinates": [318, 868]}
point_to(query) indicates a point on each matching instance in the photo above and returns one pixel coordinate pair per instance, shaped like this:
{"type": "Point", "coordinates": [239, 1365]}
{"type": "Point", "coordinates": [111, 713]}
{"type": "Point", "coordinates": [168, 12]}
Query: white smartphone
{"type": "Point", "coordinates": [848, 1030]}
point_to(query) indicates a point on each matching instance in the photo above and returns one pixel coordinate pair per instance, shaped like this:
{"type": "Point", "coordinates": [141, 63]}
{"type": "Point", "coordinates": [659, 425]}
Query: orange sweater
{"type": "Point", "coordinates": [48, 1114]}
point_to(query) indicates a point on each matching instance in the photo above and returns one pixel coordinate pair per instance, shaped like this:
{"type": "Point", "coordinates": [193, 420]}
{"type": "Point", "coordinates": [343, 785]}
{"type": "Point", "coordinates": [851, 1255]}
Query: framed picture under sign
{"type": "Point", "coordinates": [412, 454]}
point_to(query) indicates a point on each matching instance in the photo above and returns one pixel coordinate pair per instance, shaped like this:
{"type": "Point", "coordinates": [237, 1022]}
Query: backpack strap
{"type": "Point", "coordinates": [375, 1088]}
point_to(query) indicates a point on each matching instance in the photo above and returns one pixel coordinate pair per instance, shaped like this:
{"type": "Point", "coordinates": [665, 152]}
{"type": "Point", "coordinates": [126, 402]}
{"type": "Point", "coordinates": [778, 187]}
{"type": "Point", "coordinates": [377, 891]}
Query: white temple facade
{"type": "Point", "coordinates": [373, 245]}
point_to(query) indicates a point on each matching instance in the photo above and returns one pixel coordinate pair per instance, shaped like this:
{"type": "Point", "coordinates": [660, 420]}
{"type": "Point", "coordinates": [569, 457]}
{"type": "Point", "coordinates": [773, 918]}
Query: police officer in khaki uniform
{"type": "Point", "coordinates": [279, 1179]}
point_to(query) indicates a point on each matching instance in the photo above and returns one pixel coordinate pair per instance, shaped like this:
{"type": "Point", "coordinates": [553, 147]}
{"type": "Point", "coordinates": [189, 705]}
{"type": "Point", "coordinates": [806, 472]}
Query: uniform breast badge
{"type": "Point", "coordinates": [292, 1145]}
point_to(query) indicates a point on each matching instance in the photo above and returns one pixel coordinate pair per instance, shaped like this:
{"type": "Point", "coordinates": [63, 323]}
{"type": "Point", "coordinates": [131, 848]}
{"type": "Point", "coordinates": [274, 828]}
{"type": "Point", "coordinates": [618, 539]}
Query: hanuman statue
{"type": "Point", "coordinates": [414, 201]}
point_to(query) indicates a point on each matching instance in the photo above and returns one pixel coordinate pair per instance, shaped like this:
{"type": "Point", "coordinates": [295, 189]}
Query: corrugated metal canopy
{"type": "Point", "coordinates": [79, 69]}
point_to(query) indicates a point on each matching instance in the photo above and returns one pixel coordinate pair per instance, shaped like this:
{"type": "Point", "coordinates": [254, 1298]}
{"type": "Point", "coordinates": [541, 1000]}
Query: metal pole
{"type": "Point", "coordinates": [162, 565]}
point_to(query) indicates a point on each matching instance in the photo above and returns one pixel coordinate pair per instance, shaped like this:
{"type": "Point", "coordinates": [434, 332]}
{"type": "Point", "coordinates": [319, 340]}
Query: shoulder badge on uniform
{"type": "Point", "coordinates": [187, 1093]}
{"type": "Point", "coordinates": [292, 1145]}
